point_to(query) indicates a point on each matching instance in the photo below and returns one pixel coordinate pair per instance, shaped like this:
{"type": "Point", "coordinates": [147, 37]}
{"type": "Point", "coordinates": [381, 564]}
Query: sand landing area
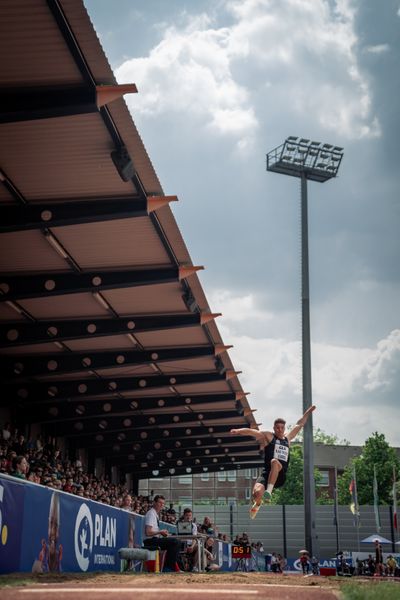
{"type": "Point", "coordinates": [185, 586]}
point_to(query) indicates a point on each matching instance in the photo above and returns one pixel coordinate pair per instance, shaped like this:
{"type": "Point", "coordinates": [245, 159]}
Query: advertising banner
{"type": "Point", "coordinates": [63, 532]}
{"type": "Point", "coordinates": [43, 530]}
{"type": "Point", "coordinates": [293, 564]}
{"type": "Point", "coordinates": [11, 524]}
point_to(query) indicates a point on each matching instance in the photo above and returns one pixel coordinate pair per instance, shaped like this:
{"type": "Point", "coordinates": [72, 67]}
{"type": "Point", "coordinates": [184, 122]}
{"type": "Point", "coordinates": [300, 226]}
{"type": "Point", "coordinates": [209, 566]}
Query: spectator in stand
{"type": "Point", "coordinates": [20, 467]}
{"type": "Point", "coordinates": [20, 445]}
{"type": "Point", "coordinates": [6, 433]}
{"type": "Point", "coordinates": [3, 464]}
{"type": "Point", "coordinates": [158, 538]}
{"type": "Point", "coordinates": [207, 527]}
{"type": "Point", "coordinates": [126, 503]}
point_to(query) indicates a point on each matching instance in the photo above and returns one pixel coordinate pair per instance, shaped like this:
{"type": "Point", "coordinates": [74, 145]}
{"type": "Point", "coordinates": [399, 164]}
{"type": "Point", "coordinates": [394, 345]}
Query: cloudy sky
{"type": "Point", "coordinates": [222, 82]}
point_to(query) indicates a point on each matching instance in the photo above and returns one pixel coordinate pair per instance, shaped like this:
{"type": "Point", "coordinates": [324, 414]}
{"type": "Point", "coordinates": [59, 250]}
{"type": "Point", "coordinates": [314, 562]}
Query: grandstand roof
{"type": "Point", "coordinates": [107, 338]}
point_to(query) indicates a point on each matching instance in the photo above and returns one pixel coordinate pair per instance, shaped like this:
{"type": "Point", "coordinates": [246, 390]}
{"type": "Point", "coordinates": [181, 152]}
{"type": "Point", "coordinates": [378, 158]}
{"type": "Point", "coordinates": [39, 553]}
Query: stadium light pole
{"type": "Point", "coordinates": [305, 159]}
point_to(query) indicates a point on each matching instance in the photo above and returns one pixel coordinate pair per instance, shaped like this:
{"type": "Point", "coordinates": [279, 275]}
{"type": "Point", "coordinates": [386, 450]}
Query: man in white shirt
{"type": "Point", "coordinates": [158, 538]}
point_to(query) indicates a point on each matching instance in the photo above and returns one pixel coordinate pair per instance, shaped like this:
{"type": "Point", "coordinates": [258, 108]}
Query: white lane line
{"type": "Point", "coordinates": [147, 590]}
{"type": "Point", "coordinates": [292, 587]}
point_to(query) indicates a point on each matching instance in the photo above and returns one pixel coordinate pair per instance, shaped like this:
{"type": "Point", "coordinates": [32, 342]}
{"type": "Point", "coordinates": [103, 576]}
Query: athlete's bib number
{"type": "Point", "coordinates": [281, 452]}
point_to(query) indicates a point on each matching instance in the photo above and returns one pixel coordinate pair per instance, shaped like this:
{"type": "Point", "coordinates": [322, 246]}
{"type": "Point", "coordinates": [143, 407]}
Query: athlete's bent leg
{"type": "Point", "coordinates": [258, 492]}
{"type": "Point", "coordinates": [276, 467]}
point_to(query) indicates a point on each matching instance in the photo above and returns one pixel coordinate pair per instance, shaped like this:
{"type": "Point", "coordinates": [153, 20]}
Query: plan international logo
{"type": "Point", "coordinates": [92, 539]}
{"type": "Point", "coordinates": [83, 537]}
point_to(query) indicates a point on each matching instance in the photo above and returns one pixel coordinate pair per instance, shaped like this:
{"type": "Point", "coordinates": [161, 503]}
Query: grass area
{"type": "Point", "coordinates": [376, 591]}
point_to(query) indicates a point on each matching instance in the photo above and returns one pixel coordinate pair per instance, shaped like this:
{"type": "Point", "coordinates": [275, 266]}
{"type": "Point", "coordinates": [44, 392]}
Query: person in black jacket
{"type": "Point", "coordinates": [276, 445]}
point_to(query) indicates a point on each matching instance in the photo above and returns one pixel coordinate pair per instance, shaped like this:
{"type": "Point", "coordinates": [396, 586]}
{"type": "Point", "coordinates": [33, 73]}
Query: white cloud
{"type": "Point", "coordinates": [190, 71]}
{"type": "Point", "coordinates": [200, 70]}
{"type": "Point", "coordinates": [347, 381]}
{"type": "Point", "coordinates": [381, 372]}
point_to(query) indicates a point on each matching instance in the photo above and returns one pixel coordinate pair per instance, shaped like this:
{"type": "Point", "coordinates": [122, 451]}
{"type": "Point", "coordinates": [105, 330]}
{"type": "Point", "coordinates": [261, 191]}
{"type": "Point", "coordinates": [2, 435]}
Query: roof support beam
{"type": "Point", "coordinates": [135, 422]}
{"type": "Point", "coordinates": [163, 445]}
{"type": "Point", "coordinates": [46, 102]}
{"type": "Point", "coordinates": [195, 469]}
{"type": "Point", "coordinates": [224, 461]}
{"type": "Point", "coordinates": [61, 213]}
{"type": "Point", "coordinates": [104, 437]}
{"type": "Point", "coordinates": [17, 287]}
{"type": "Point", "coordinates": [83, 388]}
{"type": "Point", "coordinates": [20, 333]}
{"type": "Point", "coordinates": [30, 365]}
{"type": "Point", "coordinates": [60, 410]}
{"type": "Point", "coordinates": [206, 452]}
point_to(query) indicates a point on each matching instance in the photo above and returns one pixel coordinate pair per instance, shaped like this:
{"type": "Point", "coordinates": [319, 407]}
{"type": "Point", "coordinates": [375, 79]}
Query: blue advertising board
{"type": "Point", "coordinates": [11, 524]}
{"type": "Point", "coordinates": [44, 530]}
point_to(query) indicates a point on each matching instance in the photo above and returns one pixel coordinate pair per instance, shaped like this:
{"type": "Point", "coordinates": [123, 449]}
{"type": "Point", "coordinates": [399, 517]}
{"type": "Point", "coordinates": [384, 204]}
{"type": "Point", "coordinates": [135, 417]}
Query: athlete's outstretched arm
{"type": "Point", "coordinates": [300, 423]}
{"type": "Point", "coordinates": [259, 435]}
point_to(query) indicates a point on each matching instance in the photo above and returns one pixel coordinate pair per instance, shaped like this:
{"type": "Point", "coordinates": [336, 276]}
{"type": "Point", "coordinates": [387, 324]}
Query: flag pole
{"type": "Point", "coordinates": [336, 513]}
{"type": "Point", "coordinates": [394, 510]}
{"type": "Point", "coordinates": [376, 502]}
{"type": "Point", "coordinates": [357, 509]}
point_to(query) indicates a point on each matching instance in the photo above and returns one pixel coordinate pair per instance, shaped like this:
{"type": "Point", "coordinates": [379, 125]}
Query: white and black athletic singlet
{"type": "Point", "coordinates": [277, 449]}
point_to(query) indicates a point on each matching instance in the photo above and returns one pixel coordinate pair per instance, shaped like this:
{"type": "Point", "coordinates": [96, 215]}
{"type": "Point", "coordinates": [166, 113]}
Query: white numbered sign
{"type": "Point", "coordinates": [281, 452]}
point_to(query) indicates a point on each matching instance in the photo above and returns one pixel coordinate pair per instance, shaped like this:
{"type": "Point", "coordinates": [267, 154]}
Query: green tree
{"type": "Point", "coordinates": [376, 452]}
{"type": "Point", "coordinates": [320, 437]}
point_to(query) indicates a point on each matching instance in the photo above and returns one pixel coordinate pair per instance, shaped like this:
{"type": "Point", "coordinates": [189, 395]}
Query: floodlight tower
{"type": "Point", "coordinates": [305, 159]}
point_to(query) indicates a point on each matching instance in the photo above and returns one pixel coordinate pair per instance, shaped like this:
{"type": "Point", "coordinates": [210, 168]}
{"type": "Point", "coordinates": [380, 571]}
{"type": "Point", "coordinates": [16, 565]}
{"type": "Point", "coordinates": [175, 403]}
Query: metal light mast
{"type": "Point", "coordinates": [305, 159]}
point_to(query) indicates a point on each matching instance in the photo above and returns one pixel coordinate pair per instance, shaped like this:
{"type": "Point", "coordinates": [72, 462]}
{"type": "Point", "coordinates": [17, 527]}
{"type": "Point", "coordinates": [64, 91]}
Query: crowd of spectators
{"type": "Point", "coordinates": [41, 462]}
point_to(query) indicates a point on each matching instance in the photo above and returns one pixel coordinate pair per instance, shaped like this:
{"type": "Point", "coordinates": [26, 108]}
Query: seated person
{"type": "Point", "coordinates": [158, 538]}
{"type": "Point", "coordinates": [190, 546]}
{"type": "Point", "coordinates": [207, 526]}
{"type": "Point", "coordinates": [391, 566]}
{"type": "Point", "coordinates": [209, 556]}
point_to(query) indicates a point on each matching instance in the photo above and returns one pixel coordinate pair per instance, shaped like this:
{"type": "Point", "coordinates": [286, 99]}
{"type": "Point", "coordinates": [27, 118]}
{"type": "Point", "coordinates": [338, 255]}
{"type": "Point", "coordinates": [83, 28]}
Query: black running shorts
{"type": "Point", "coordinates": [263, 479]}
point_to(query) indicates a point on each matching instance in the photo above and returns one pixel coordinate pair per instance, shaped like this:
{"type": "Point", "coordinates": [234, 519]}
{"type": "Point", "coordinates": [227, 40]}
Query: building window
{"type": "Point", "coordinates": [185, 501]}
{"type": "Point", "coordinates": [205, 477]}
{"type": "Point", "coordinates": [221, 500]}
{"type": "Point", "coordinates": [254, 473]}
{"type": "Point", "coordinates": [221, 475]}
{"type": "Point", "coordinates": [231, 475]}
{"type": "Point", "coordinates": [247, 493]}
{"type": "Point", "coordinates": [324, 479]}
{"type": "Point", "coordinates": [185, 479]}
{"type": "Point", "coordinates": [247, 473]}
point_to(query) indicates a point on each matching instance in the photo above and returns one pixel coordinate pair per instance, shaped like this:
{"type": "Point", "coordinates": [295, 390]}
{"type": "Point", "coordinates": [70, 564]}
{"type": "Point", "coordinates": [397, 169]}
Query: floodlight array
{"type": "Point", "coordinates": [300, 155]}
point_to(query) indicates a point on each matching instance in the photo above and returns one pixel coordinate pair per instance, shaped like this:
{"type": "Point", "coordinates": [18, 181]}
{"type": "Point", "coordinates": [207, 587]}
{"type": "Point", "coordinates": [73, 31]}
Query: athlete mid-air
{"type": "Point", "coordinates": [276, 457]}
